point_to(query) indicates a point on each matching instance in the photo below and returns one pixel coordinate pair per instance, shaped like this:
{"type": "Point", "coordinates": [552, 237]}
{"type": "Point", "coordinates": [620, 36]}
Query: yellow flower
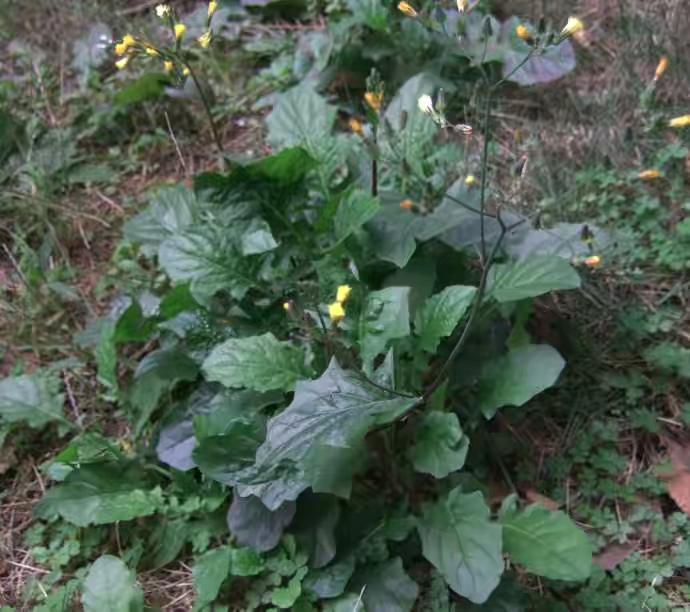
{"type": "Point", "coordinates": [462, 5]}
{"type": "Point", "coordinates": [523, 33]}
{"type": "Point", "coordinates": [152, 52]}
{"type": "Point", "coordinates": [122, 47]}
{"type": "Point", "coordinates": [205, 39]}
{"type": "Point", "coordinates": [680, 122]}
{"type": "Point", "coordinates": [470, 180]}
{"type": "Point", "coordinates": [573, 26]}
{"type": "Point", "coordinates": [343, 293]}
{"type": "Point", "coordinates": [407, 9]}
{"type": "Point", "coordinates": [374, 100]}
{"type": "Point", "coordinates": [185, 71]}
{"type": "Point", "coordinates": [425, 104]}
{"type": "Point", "coordinates": [212, 8]}
{"type": "Point", "coordinates": [649, 175]}
{"type": "Point", "coordinates": [336, 312]}
{"type": "Point", "coordinates": [168, 66]}
{"type": "Point", "coordinates": [407, 204]}
{"type": "Point", "coordinates": [163, 10]}
{"type": "Point", "coordinates": [661, 67]}
{"type": "Point", "coordinates": [121, 64]}
{"type": "Point", "coordinates": [593, 261]}
{"type": "Point", "coordinates": [180, 29]}
{"type": "Point", "coordinates": [287, 306]}
{"type": "Point", "coordinates": [356, 126]}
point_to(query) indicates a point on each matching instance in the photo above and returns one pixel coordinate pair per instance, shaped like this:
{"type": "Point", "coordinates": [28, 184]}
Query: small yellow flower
{"type": "Point", "coordinates": [593, 261]}
{"type": "Point", "coordinates": [470, 180]}
{"type": "Point", "coordinates": [649, 175]}
{"type": "Point", "coordinates": [661, 67]}
{"type": "Point", "coordinates": [185, 71]}
{"type": "Point", "coordinates": [680, 122]}
{"type": "Point", "coordinates": [152, 52]}
{"type": "Point", "coordinates": [374, 100]}
{"type": "Point", "coordinates": [128, 41]}
{"type": "Point", "coordinates": [336, 312]}
{"type": "Point", "coordinates": [287, 306]}
{"type": "Point", "coordinates": [425, 104]}
{"type": "Point", "coordinates": [407, 204]}
{"type": "Point", "coordinates": [212, 8]}
{"type": "Point", "coordinates": [163, 10]}
{"type": "Point", "coordinates": [407, 9]}
{"type": "Point", "coordinates": [205, 39]}
{"type": "Point", "coordinates": [523, 33]}
{"type": "Point", "coordinates": [356, 126]}
{"type": "Point", "coordinates": [121, 64]}
{"type": "Point", "coordinates": [168, 66]}
{"type": "Point", "coordinates": [343, 293]}
{"type": "Point", "coordinates": [573, 26]}
{"type": "Point", "coordinates": [462, 6]}
{"type": "Point", "coordinates": [180, 30]}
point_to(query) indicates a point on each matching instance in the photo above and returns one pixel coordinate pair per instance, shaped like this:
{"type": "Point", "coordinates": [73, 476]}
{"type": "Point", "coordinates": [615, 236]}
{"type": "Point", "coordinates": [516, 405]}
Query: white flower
{"type": "Point", "coordinates": [163, 10]}
{"type": "Point", "coordinates": [426, 104]}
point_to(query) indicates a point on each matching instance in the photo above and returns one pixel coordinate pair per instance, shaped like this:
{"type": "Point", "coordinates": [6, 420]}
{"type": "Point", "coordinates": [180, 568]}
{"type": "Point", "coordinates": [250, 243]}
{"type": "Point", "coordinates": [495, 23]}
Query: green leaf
{"type": "Point", "coordinates": [111, 586]}
{"type": "Point", "coordinates": [547, 543]}
{"type": "Point", "coordinates": [669, 357]}
{"type": "Point", "coordinates": [385, 317]}
{"type": "Point", "coordinates": [261, 363]}
{"type": "Point", "coordinates": [246, 562]}
{"type": "Point", "coordinates": [516, 377]}
{"type": "Point", "coordinates": [106, 359]}
{"type": "Point", "coordinates": [323, 427]}
{"type": "Point", "coordinates": [33, 398]}
{"type": "Point", "coordinates": [285, 597]}
{"type": "Point", "coordinates": [387, 588]}
{"type": "Point", "coordinates": [329, 581]}
{"type": "Point", "coordinates": [99, 493]}
{"type": "Point", "coordinates": [463, 544]}
{"type": "Point", "coordinates": [349, 602]}
{"type": "Point", "coordinates": [441, 313]}
{"type": "Point", "coordinates": [209, 572]}
{"type": "Point", "coordinates": [147, 87]}
{"type": "Point", "coordinates": [257, 238]}
{"type": "Point", "coordinates": [531, 277]}
{"type": "Point", "coordinates": [440, 446]}
{"type": "Point", "coordinates": [354, 210]}
{"type": "Point", "coordinates": [255, 526]}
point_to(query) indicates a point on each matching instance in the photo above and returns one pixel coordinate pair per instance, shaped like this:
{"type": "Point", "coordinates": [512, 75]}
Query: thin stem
{"type": "Point", "coordinates": [207, 108]}
{"type": "Point", "coordinates": [467, 206]}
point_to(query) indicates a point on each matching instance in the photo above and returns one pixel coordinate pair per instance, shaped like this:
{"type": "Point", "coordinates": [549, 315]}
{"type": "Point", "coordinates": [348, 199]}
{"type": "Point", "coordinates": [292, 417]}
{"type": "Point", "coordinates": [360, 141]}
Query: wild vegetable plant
{"type": "Point", "coordinates": [338, 325]}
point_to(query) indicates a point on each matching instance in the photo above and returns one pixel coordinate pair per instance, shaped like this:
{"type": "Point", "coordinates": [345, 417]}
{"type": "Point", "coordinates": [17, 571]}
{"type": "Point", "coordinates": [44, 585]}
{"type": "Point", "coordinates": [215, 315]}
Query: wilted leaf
{"type": "Point", "coordinates": [111, 586]}
{"type": "Point", "coordinates": [262, 363]}
{"type": "Point", "coordinates": [440, 447]}
{"type": "Point", "coordinates": [440, 314]}
{"type": "Point", "coordinates": [463, 544]}
{"type": "Point", "coordinates": [547, 543]}
{"type": "Point", "coordinates": [613, 555]}
{"type": "Point", "coordinates": [33, 398]}
{"type": "Point", "coordinates": [385, 587]}
{"type": "Point", "coordinates": [255, 526]}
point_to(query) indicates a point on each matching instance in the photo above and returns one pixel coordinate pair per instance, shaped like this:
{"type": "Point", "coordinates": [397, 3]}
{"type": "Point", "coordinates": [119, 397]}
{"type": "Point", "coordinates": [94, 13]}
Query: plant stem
{"type": "Point", "coordinates": [207, 108]}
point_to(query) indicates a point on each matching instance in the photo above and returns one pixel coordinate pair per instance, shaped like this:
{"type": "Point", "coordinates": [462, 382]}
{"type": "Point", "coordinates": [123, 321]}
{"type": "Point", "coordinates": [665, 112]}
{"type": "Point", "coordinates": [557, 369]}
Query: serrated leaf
{"type": "Point", "coordinates": [516, 377]}
{"type": "Point", "coordinates": [463, 544]}
{"type": "Point", "coordinates": [440, 446]}
{"type": "Point", "coordinates": [99, 493]}
{"type": "Point", "coordinates": [385, 317]}
{"type": "Point", "coordinates": [111, 586]}
{"type": "Point", "coordinates": [440, 315]}
{"type": "Point", "coordinates": [34, 399]}
{"type": "Point", "coordinates": [261, 363]}
{"type": "Point", "coordinates": [547, 543]}
{"type": "Point", "coordinates": [354, 210]}
{"type": "Point", "coordinates": [209, 572]}
{"type": "Point", "coordinates": [386, 587]}
{"type": "Point", "coordinates": [531, 277]}
{"type": "Point", "coordinates": [330, 581]}
{"type": "Point", "coordinates": [255, 526]}
{"type": "Point", "coordinates": [327, 419]}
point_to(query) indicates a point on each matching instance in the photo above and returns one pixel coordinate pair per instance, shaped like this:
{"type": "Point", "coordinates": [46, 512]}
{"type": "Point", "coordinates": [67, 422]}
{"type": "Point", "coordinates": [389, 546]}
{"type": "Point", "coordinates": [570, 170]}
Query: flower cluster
{"type": "Point", "coordinates": [336, 310]}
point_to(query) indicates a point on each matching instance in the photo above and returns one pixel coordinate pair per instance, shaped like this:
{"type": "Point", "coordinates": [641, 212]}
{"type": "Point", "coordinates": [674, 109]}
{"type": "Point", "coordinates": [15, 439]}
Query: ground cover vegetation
{"type": "Point", "coordinates": [344, 306]}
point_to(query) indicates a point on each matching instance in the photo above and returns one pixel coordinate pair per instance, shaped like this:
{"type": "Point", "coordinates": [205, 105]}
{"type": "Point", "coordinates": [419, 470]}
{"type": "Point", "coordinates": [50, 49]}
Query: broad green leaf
{"type": "Point", "coordinates": [354, 210]}
{"type": "Point", "coordinates": [463, 544]}
{"type": "Point", "coordinates": [440, 446]}
{"type": "Point", "coordinates": [531, 277]}
{"type": "Point", "coordinates": [285, 597]}
{"type": "Point", "coordinates": [133, 325]}
{"type": "Point", "coordinates": [166, 541]}
{"type": "Point", "coordinates": [100, 493]}
{"type": "Point", "coordinates": [387, 588]}
{"type": "Point", "coordinates": [516, 377]}
{"type": "Point", "coordinates": [385, 317]}
{"type": "Point", "coordinates": [261, 363]}
{"type": "Point", "coordinates": [33, 398]}
{"type": "Point", "coordinates": [327, 420]}
{"type": "Point", "coordinates": [209, 572]}
{"type": "Point", "coordinates": [441, 313]}
{"type": "Point", "coordinates": [172, 210]}
{"type": "Point", "coordinates": [547, 543]}
{"type": "Point", "coordinates": [105, 353]}
{"type": "Point", "coordinates": [245, 562]}
{"type": "Point", "coordinates": [111, 586]}
{"type": "Point", "coordinates": [330, 581]}
{"type": "Point", "coordinates": [420, 276]}
{"type": "Point", "coordinates": [257, 238]}
{"type": "Point", "coordinates": [255, 526]}
{"type": "Point", "coordinates": [349, 602]}
{"type": "Point", "coordinates": [315, 527]}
